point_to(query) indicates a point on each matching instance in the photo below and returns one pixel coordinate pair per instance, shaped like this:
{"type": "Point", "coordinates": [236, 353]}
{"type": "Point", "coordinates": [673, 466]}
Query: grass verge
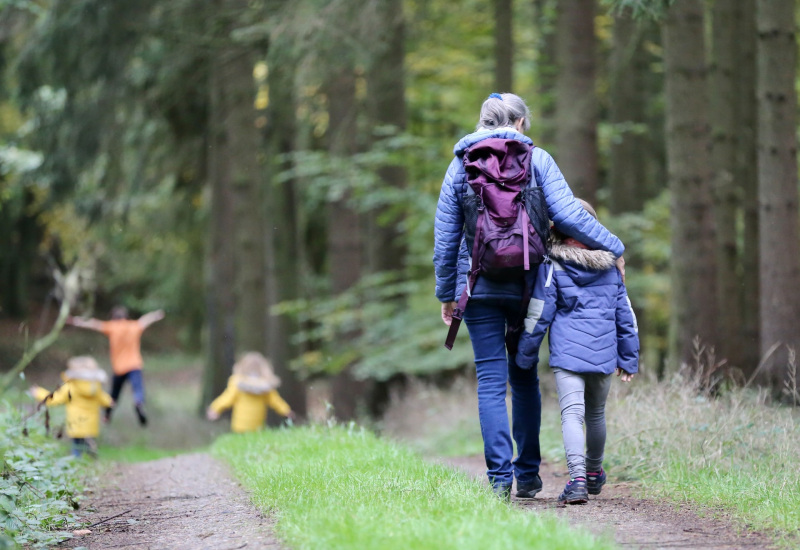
{"type": "Point", "coordinates": [733, 453]}
{"type": "Point", "coordinates": [346, 488]}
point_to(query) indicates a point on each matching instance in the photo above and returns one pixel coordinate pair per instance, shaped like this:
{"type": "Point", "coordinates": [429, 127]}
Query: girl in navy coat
{"type": "Point", "coordinates": [581, 297]}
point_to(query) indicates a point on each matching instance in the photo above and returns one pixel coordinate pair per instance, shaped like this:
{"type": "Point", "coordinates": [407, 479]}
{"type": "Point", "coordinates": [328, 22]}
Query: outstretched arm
{"type": "Point", "coordinates": [149, 318]}
{"type": "Point", "coordinates": [91, 324]}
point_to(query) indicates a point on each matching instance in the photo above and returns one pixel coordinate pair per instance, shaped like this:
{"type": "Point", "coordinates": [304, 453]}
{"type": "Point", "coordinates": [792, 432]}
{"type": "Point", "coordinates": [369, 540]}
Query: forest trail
{"type": "Point", "coordinates": [633, 522]}
{"type": "Point", "coordinates": [183, 502]}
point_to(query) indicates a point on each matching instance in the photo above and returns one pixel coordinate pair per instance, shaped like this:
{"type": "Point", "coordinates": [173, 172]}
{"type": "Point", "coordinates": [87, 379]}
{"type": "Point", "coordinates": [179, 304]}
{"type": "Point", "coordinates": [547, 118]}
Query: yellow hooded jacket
{"type": "Point", "coordinates": [83, 400]}
{"type": "Point", "coordinates": [249, 409]}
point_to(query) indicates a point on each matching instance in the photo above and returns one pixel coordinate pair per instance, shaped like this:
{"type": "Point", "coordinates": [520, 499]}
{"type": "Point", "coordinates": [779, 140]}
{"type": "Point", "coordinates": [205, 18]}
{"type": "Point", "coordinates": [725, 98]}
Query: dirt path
{"type": "Point", "coordinates": [184, 502]}
{"type": "Point", "coordinates": [633, 522]}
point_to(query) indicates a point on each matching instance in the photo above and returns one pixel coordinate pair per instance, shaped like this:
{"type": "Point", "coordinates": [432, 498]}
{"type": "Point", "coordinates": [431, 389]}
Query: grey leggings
{"type": "Point", "coordinates": [583, 396]}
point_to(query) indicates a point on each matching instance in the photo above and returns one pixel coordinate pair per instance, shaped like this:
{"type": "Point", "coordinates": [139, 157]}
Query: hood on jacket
{"type": "Point", "coordinates": [254, 385]}
{"type": "Point", "coordinates": [583, 265]}
{"type": "Point", "coordinates": [84, 368]}
{"type": "Point", "coordinates": [82, 387]}
{"type": "Point", "coordinates": [255, 374]}
{"type": "Point", "coordinates": [505, 132]}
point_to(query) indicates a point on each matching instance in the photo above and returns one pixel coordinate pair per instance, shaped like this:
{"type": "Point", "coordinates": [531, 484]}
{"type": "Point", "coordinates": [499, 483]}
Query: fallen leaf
{"type": "Point", "coordinates": [81, 532]}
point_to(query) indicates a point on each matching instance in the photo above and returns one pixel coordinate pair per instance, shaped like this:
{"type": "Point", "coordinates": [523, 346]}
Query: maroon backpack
{"type": "Point", "coordinates": [506, 224]}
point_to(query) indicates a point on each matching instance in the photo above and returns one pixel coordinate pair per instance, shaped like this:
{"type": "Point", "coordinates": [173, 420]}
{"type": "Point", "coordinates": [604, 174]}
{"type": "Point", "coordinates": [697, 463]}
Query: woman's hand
{"type": "Point", "coordinates": [624, 376]}
{"type": "Point", "coordinates": [447, 312]}
{"type": "Point", "coordinates": [212, 414]}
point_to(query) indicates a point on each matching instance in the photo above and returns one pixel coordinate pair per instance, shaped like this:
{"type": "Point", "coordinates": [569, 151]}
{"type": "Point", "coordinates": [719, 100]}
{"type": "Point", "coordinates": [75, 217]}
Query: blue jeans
{"type": "Point", "coordinates": [137, 384]}
{"type": "Point", "coordinates": [486, 321]}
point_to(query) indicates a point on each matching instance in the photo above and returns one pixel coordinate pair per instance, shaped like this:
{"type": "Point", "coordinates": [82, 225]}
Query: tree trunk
{"type": "Point", "coordinates": [725, 131]}
{"type": "Point", "coordinates": [545, 16]}
{"type": "Point", "coordinates": [576, 102]}
{"type": "Point", "coordinates": [220, 297]}
{"type": "Point", "coordinates": [746, 176]}
{"type": "Point", "coordinates": [284, 257]}
{"type": "Point", "coordinates": [777, 184]}
{"type": "Point", "coordinates": [243, 149]}
{"type": "Point", "coordinates": [387, 107]}
{"type": "Point", "coordinates": [630, 148]}
{"type": "Point", "coordinates": [344, 242]}
{"type": "Point", "coordinates": [503, 45]}
{"type": "Point", "coordinates": [693, 271]}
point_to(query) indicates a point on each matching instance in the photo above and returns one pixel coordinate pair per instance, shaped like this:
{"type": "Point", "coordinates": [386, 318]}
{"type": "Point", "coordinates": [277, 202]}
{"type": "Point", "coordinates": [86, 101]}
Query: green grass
{"type": "Point", "coordinates": [346, 488]}
{"type": "Point", "coordinates": [734, 453]}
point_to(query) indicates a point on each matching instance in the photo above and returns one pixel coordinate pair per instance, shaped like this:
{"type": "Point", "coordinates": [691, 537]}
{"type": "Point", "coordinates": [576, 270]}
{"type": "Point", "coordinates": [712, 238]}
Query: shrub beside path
{"type": "Point", "coordinates": [187, 501]}
{"type": "Point", "coordinates": [632, 522]}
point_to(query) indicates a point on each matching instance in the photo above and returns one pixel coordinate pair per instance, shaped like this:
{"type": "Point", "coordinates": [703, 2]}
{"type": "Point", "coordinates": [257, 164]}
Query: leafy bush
{"type": "Point", "coordinates": [38, 485]}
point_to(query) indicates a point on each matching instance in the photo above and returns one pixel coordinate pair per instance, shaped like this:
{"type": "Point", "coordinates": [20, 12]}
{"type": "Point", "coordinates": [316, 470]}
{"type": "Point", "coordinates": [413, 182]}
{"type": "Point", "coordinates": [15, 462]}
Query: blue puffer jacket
{"type": "Point", "coordinates": [450, 256]}
{"type": "Point", "coordinates": [580, 295]}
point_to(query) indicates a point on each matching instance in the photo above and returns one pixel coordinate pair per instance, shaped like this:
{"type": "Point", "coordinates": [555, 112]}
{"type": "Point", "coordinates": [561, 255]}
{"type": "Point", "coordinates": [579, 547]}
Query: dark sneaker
{"type": "Point", "coordinates": [529, 489]}
{"type": "Point", "coordinates": [574, 493]}
{"type": "Point", "coordinates": [140, 414]}
{"type": "Point", "coordinates": [502, 491]}
{"type": "Point", "coordinates": [595, 481]}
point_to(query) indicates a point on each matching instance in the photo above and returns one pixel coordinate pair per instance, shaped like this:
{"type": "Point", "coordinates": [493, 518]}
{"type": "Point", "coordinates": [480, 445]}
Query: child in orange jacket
{"type": "Point", "coordinates": [251, 391]}
{"type": "Point", "coordinates": [82, 393]}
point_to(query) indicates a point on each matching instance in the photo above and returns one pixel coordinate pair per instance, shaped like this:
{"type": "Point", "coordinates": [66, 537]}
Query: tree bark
{"type": "Point", "coordinates": [576, 101]}
{"type": "Point", "coordinates": [243, 142]}
{"type": "Point", "coordinates": [387, 107]}
{"type": "Point", "coordinates": [503, 45]}
{"type": "Point", "coordinates": [746, 176]}
{"type": "Point", "coordinates": [777, 181]}
{"type": "Point", "coordinates": [693, 268]}
{"type": "Point", "coordinates": [283, 259]}
{"type": "Point", "coordinates": [725, 131]}
{"type": "Point", "coordinates": [628, 177]}
{"type": "Point", "coordinates": [545, 17]}
{"type": "Point", "coordinates": [220, 296]}
{"type": "Point", "coordinates": [344, 242]}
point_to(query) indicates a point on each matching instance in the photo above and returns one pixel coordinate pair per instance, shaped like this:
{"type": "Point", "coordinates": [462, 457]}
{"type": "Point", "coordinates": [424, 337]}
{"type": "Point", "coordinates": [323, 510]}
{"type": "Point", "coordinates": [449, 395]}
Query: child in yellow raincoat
{"type": "Point", "coordinates": [82, 393]}
{"type": "Point", "coordinates": [252, 389]}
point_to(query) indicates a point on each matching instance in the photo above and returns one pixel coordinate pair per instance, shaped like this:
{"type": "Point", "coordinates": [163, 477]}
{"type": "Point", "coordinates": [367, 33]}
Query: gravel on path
{"type": "Point", "coordinates": [183, 502]}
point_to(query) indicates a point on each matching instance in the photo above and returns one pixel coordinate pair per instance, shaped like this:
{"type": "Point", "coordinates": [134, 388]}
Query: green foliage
{"type": "Point", "coordinates": [38, 485]}
{"type": "Point", "coordinates": [397, 326]}
{"type": "Point", "coordinates": [342, 487]}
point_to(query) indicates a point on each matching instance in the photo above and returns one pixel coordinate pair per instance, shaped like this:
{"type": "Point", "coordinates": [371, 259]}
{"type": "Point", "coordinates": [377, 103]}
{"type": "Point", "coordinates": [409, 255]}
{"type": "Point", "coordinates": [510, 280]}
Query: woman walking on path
{"type": "Point", "coordinates": [125, 343]}
{"type": "Point", "coordinates": [495, 305]}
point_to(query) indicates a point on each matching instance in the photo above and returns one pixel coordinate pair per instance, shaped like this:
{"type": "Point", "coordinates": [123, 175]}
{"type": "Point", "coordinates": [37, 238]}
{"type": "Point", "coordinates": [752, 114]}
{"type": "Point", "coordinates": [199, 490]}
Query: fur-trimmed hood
{"type": "Point", "coordinates": [596, 260]}
{"type": "Point", "coordinates": [583, 266]}
{"type": "Point", "coordinates": [256, 385]}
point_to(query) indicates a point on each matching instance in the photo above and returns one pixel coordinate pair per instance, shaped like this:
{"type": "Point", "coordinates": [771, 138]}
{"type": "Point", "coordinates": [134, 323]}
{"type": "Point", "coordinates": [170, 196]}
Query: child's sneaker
{"type": "Point", "coordinates": [530, 488]}
{"type": "Point", "coordinates": [574, 493]}
{"type": "Point", "coordinates": [595, 481]}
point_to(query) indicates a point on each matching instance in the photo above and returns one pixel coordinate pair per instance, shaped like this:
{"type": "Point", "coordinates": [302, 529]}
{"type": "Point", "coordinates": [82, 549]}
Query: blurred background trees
{"type": "Point", "coordinates": [267, 171]}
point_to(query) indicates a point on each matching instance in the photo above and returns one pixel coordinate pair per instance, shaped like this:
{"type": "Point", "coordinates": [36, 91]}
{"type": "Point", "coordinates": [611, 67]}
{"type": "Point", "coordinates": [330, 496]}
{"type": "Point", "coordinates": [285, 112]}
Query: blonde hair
{"type": "Point", "coordinates": [588, 207]}
{"type": "Point", "coordinates": [84, 367]}
{"type": "Point", "coordinates": [254, 365]}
